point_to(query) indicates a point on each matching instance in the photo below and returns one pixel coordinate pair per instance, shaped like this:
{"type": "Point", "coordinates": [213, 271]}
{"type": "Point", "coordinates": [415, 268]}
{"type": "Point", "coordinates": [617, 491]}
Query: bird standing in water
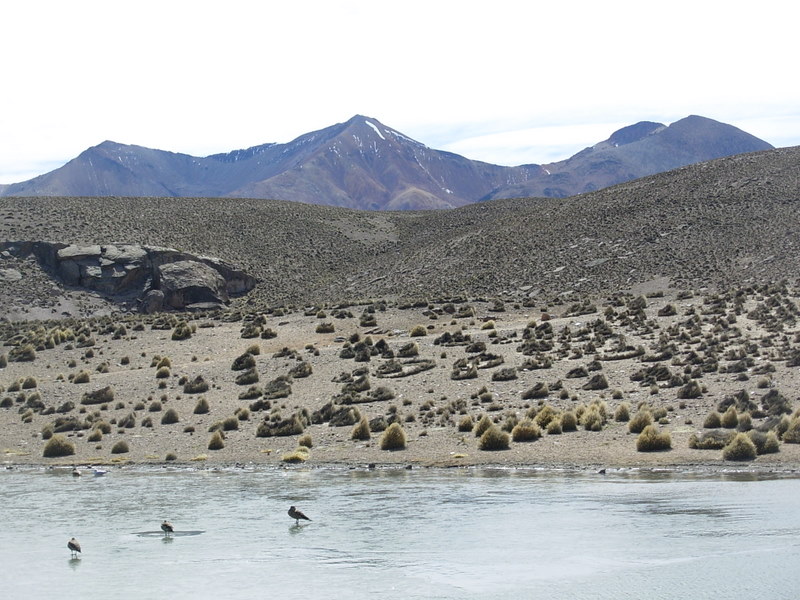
{"type": "Point", "coordinates": [297, 515]}
{"type": "Point", "coordinates": [167, 528]}
{"type": "Point", "coordinates": [74, 547]}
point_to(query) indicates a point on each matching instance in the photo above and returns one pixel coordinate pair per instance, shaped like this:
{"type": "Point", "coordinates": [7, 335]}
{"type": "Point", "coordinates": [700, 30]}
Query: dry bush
{"type": "Point", "coordinates": [740, 448]}
{"type": "Point", "coordinates": [216, 442]}
{"type": "Point", "coordinates": [361, 430]}
{"type": "Point", "coordinates": [640, 420]}
{"type": "Point", "coordinates": [169, 417]}
{"type": "Point", "coordinates": [494, 438]}
{"type": "Point", "coordinates": [121, 447]}
{"type": "Point", "coordinates": [527, 431]}
{"type": "Point", "coordinates": [394, 438]}
{"type": "Point", "coordinates": [57, 446]}
{"type": "Point", "coordinates": [569, 421]}
{"type": "Point", "coordinates": [652, 440]}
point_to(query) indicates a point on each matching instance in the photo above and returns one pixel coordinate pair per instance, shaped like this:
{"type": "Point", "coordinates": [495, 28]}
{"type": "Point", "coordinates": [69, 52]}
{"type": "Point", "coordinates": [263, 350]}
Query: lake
{"type": "Point", "coordinates": [458, 533]}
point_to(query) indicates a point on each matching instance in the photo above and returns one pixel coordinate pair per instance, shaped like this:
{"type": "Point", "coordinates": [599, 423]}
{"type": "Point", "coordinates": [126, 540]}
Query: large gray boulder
{"type": "Point", "coordinates": [188, 282]}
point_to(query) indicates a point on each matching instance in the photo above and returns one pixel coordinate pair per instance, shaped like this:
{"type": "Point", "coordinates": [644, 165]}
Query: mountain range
{"type": "Point", "coordinates": [364, 164]}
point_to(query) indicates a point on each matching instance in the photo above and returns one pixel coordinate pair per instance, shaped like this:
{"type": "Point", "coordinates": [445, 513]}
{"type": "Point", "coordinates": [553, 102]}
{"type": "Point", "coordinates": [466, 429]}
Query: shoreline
{"type": "Point", "coordinates": [692, 469]}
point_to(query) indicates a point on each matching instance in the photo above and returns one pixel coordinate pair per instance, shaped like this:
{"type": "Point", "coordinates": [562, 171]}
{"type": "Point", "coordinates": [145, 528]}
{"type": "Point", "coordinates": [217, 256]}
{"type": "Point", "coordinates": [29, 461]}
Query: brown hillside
{"type": "Point", "coordinates": [729, 221]}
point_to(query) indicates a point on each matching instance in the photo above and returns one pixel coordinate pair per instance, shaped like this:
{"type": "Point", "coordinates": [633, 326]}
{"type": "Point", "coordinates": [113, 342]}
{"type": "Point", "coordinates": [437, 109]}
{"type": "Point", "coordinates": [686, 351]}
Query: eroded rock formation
{"type": "Point", "coordinates": [155, 277]}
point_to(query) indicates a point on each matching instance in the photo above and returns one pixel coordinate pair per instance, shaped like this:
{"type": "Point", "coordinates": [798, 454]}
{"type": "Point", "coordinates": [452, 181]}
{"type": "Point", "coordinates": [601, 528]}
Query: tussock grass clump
{"type": "Point", "coordinates": [765, 443]}
{"type": "Point", "coordinates": [409, 350]}
{"type": "Point", "coordinates": [81, 377]}
{"type": "Point", "coordinates": [745, 422]}
{"type": "Point", "coordinates": [418, 331]}
{"type": "Point", "coordinates": [527, 431]}
{"type": "Point", "coordinates": [305, 441]}
{"type": "Point", "coordinates": [182, 331]}
{"type": "Point", "coordinates": [690, 390]}
{"type": "Point", "coordinates": [155, 406]}
{"type": "Point", "coordinates": [170, 457]}
{"type": "Point", "coordinates": [301, 370]}
{"type": "Point", "coordinates": [3, 361]}
{"type": "Point", "coordinates": [29, 383]}
{"type": "Point", "coordinates": [361, 430]}
{"type": "Point", "coordinates": [710, 440]}
{"type": "Point", "coordinates": [47, 431]}
{"type": "Point", "coordinates": [730, 418]}
{"type": "Point", "coordinates": [95, 436]}
{"type": "Point", "coordinates": [23, 353]}
{"type": "Point", "coordinates": [652, 440]}
{"type": "Point", "coordinates": [597, 382]}
{"type": "Point", "coordinates": [163, 373]}
{"type": "Point", "coordinates": [466, 423]}
{"type": "Point", "coordinates": [545, 414]}
{"type": "Point", "coordinates": [170, 417]}
{"type": "Point", "coordinates": [201, 407]}
{"type": "Point", "coordinates": [554, 427]}
{"type": "Point", "coordinates": [101, 396]}
{"type": "Point", "coordinates": [640, 420]}
{"type": "Point", "coordinates": [298, 455]}
{"type": "Point", "coordinates": [102, 426]}
{"type": "Point", "coordinates": [230, 424]}
{"type": "Point", "coordinates": [569, 421]}
{"type": "Point", "coordinates": [128, 421]}
{"type": "Point", "coordinates": [251, 393]}
{"type": "Point", "coordinates": [741, 448]}
{"type": "Point", "coordinates": [792, 433]}
{"type": "Point", "coordinates": [243, 362]}
{"type": "Point", "coordinates": [326, 327]}
{"type": "Point", "coordinates": [593, 419]}
{"type": "Point", "coordinates": [623, 413]}
{"type": "Point", "coordinates": [216, 442]}
{"type": "Point", "coordinates": [121, 447]}
{"type": "Point", "coordinates": [393, 438]}
{"type": "Point", "coordinates": [539, 390]}
{"type": "Point", "coordinates": [494, 438]}
{"type": "Point", "coordinates": [248, 377]}
{"type": "Point", "coordinates": [482, 425]}
{"type": "Point", "coordinates": [57, 446]}
{"type": "Point", "coordinates": [713, 420]}
{"type": "Point", "coordinates": [198, 385]}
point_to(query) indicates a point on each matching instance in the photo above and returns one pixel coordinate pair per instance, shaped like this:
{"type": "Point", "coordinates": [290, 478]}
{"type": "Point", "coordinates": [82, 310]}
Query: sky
{"type": "Point", "coordinates": [507, 82]}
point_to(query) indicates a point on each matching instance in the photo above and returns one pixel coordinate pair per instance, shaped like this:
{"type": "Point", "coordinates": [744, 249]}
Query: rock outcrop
{"type": "Point", "coordinates": [154, 277]}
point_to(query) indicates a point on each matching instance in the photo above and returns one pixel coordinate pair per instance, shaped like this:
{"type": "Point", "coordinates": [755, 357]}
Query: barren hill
{"type": "Point", "coordinates": [730, 221]}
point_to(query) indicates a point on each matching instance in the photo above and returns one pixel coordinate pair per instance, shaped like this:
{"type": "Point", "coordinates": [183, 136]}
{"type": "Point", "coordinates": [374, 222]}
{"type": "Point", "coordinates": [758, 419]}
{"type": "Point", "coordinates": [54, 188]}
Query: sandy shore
{"type": "Point", "coordinates": [429, 405]}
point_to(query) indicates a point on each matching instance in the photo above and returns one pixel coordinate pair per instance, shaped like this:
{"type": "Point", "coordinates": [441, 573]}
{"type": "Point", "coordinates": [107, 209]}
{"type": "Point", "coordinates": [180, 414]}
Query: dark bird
{"type": "Point", "coordinates": [297, 515]}
{"type": "Point", "coordinates": [167, 528]}
{"type": "Point", "coordinates": [74, 547]}
{"type": "Point", "coordinates": [75, 472]}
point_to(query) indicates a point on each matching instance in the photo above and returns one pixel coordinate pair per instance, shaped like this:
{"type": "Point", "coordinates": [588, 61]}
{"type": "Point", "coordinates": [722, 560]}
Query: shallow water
{"type": "Point", "coordinates": [399, 534]}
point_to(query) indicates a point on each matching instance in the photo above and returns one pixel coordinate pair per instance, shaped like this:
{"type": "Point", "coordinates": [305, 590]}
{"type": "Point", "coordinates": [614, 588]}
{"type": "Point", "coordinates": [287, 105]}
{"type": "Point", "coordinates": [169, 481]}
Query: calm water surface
{"type": "Point", "coordinates": [399, 534]}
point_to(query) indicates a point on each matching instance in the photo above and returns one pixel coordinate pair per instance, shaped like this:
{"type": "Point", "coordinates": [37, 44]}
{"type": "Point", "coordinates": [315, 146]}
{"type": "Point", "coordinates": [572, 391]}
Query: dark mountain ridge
{"type": "Point", "coordinates": [364, 164]}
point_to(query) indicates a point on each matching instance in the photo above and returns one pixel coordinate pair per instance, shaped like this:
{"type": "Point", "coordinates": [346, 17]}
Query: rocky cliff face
{"type": "Point", "coordinates": [157, 278]}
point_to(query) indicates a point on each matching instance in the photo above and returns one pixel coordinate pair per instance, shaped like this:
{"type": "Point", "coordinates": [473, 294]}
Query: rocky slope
{"type": "Point", "coordinates": [730, 221]}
